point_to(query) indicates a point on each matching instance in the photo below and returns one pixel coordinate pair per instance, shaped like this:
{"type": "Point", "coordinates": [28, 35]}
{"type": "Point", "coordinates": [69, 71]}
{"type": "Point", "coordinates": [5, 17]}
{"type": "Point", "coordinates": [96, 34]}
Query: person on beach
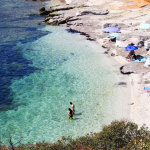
{"type": "Point", "coordinates": [131, 55]}
{"type": "Point", "coordinates": [70, 113]}
{"type": "Point", "coordinates": [72, 107]}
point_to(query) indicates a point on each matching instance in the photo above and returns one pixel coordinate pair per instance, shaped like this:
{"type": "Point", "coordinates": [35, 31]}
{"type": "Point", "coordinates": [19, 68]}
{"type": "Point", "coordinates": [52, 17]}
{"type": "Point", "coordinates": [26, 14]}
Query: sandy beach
{"type": "Point", "coordinates": [140, 100]}
{"type": "Point", "coordinates": [128, 16]}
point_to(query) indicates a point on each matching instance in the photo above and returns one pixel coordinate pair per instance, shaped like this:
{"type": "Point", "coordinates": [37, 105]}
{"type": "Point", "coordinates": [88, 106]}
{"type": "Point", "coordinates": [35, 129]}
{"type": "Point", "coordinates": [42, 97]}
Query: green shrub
{"type": "Point", "coordinates": [118, 135]}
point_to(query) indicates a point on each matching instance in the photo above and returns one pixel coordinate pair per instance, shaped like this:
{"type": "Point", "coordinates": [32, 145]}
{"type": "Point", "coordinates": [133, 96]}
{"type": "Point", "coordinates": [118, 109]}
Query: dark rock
{"type": "Point", "coordinates": [112, 54]}
{"type": "Point", "coordinates": [54, 14]}
{"type": "Point", "coordinates": [47, 19]}
{"type": "Point", "coordinates": [140, 44]}
{"type": "Point", "coordinates": [32, 15]}
{"type": "Point", "coordinates": [123, 71]}
{"type": "Point", "coordinates": [91, 39]}
{"type": "Point", "coordinates": [146, 82]}
{"type": "Point", "coordinates": [122, 83]}
{"type": "Point", "coordinates": [44, 12]}
{"type": "Point", "coordinates": [106, 52]}
{"type": "Point", "coordinates": [42, 9]}
{"type": "Point", "coordinates": [103, 46]}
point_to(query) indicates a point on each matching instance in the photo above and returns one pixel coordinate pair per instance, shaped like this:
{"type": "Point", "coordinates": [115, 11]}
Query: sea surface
{"type": "Point", "coordinates": [44, 68]}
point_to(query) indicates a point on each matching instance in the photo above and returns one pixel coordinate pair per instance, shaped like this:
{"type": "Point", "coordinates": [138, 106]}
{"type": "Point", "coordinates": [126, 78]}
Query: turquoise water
{"type": "Point", "coordinates": [70, 69]}
{"type": "Point", "coordinates": [43, 69]}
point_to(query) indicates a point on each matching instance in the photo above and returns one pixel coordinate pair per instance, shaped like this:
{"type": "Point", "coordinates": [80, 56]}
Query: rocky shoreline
{"type": "Point", "coordinates": [89, 19]}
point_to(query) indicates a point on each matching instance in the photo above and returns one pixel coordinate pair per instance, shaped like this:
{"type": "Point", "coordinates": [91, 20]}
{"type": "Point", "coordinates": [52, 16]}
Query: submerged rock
{"type": "Point", "coordinates": [122, 83]}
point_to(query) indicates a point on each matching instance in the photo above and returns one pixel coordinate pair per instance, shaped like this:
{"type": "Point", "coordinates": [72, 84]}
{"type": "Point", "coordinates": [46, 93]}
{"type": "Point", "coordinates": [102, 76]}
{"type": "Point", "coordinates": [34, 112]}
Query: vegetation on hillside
{"type": "Point", "coordinates": [118, 135]}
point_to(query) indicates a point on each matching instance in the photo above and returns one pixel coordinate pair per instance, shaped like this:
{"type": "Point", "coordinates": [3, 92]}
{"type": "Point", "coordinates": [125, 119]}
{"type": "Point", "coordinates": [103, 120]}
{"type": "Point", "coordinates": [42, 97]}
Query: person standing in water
{"type": "Point", "coordinates": [72, 107]}
{"type": "Point", "coordinates": [70, 113]}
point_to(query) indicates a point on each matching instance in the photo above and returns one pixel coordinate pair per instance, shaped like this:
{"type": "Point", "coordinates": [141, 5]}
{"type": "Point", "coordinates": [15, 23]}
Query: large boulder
{"type": "Point", "coordinates": [42, 9]}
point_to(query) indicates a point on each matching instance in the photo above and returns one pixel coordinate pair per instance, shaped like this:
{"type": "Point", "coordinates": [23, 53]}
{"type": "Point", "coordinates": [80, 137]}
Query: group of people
{"type": "Point", "coordinates": [71, 110]}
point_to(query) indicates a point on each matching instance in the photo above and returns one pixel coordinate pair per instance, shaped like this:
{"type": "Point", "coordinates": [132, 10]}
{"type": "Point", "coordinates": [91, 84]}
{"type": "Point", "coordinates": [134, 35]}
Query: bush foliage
{"type": "Point", "coordinates": [118, 135]}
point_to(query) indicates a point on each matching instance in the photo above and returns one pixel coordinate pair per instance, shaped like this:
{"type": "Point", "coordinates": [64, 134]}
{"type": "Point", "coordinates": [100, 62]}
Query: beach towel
{"type": "Point", "coordinates": [107, 39]}
{"type": "Point", "coordinates": [143, 59]}
{"type": "Point", "coordinates": [147, 89]}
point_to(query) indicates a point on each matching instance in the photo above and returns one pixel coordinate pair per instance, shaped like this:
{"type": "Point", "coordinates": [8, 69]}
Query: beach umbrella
{"type": "Point", "coordinates": [111, 29]}
{"type": "Point", "coordinates": [131, 48]}
{"type": "Point", "coordinates": [114, 34]}
{"type": "Point", "coordinates": [145, 26]}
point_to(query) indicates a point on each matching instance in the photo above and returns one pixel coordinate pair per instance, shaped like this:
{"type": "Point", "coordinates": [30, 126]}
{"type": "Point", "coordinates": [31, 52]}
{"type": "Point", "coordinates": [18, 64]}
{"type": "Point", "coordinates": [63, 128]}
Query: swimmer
{"type": "Point", "coordinates": [72, 107]}
{"type": "Point", "coordinates": [70, 113]}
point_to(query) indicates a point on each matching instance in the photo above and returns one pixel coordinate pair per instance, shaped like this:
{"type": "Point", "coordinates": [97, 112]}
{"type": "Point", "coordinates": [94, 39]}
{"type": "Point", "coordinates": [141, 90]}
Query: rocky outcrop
{"type": "Point", "coordinates": [56, 8]}
{"type": "Point", "coordinates": [61, 7]}
{"type": "Point", "coordinates": [94, 12]}
{"type": "Point", "coordinates": [61, 20]}
{"type": "Point", "coordinates": [55, 15]}
{"type": "Point", "coordinates": [90, 21]}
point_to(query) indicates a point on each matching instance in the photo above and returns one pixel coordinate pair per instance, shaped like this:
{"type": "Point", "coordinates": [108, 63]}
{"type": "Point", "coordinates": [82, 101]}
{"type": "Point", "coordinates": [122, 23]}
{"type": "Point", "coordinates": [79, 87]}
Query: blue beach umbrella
{"type": "Point", "coordinates": [114, 34]}
{"type": "Point", "coordinates": [145, 26]}
{"type": "Point", "coordinates": [131, 48]}
{"type": "Point", "coordinates": [111, 29]}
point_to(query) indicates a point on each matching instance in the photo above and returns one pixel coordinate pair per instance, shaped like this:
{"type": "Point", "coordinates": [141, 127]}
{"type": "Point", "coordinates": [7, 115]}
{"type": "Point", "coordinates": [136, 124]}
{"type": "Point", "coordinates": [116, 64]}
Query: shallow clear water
{"type": "Point", "coordinates": [41, 76]}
